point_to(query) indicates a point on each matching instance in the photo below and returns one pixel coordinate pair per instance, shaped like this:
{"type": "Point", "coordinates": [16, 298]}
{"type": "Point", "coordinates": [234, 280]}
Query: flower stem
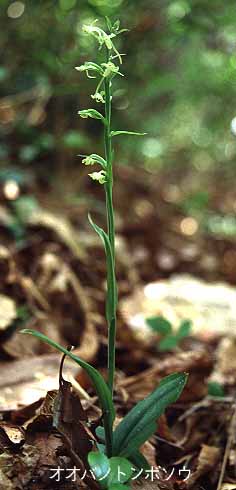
{"type": "Point", "coordinates": [110, 225]}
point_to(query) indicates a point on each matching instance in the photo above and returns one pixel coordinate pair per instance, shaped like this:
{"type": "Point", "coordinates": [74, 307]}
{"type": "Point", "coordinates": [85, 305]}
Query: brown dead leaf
{"type": "Point", "coordinates": [16, 470]}
{"type": "Point", "coordinates": [197, 363]}
{"type": "Point", "coordinates": [145, 485]}
{"type": "Point", "coordinates": [11, 435]}
{"type": "Point", "coordinates": [225, 368]}
{"type": "Point", "coordinates": [228, 486]}
{"type": "Point", "coordinates": [70, 419]}
{"type": "Point", "coordinates": [62, 228]}
{"type": "Point", "coordinates": [8, 312]}
{"type": "Point", "coordinates": [17, 347]}
{"type": "Point", "coordinates": [25, 381]}
{"type": "Point", "coordinates": [208, 459]}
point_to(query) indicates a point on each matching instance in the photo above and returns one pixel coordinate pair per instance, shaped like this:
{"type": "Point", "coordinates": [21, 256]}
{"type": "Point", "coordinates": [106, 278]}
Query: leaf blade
{"type": "Point", "coordinates": [100, 466]}
{"type": "Point", "coordinates": [111, 290]}
{"type": "Point", "coordinates": [100, 386]}
{"type": "Point", "coordinates": [159, 324]}
{"type": "Point", "coordinates": [129, 133]}
{"type": "Point", "coordinates": [131, 432]}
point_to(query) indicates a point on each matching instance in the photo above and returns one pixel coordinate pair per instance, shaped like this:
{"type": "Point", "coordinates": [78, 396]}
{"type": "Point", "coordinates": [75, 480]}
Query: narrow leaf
{"type": "Point", "coordinates": [133, 430]}
{"type": "Point", "coordinates": [131, 133]}
{"type": "Point", "coordinates": [96, 378]}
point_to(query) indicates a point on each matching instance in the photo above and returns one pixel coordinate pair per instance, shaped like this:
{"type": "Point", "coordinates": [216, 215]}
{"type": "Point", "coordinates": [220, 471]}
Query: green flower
{"type": "Point", "coordinates": [88, 160]}
{"type": "Point", "coordinates": [102, 37]}
{"type": "Point", "coordinates": [99, 176]}
{"type": "Point", "coordinates": [110, 69]}
{"type": "Point", "coordinates": [99, 97]}
{"type": "Point", "coordinates": [88, 67]}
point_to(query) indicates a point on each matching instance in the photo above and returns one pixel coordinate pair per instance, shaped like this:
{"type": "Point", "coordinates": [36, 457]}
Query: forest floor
{"type": "Point", "coordinates": [52, 272]}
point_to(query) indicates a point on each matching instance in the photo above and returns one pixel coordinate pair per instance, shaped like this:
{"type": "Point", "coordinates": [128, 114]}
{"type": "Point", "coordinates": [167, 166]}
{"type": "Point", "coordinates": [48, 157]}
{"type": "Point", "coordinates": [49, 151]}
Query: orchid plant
{"type": "Point", "coordinates": [120, 446]}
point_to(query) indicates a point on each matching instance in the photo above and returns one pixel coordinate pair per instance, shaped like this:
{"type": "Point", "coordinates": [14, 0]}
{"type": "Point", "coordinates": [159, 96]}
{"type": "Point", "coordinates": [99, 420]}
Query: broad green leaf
{"type": "Point", "coordinates": [100, 466]}
{"type": "Point", "coordinates": [141, 436]}
{"type": "Point", "coordinates": [159, 324]}
{"type": "Point", "coordinates": [120, 470]}
{"type": "Point", "coordinates": [184, 329]}
{"type": "Point", "coordinates": [100, 386]}
{"type": "Point", "coordinates": [168, 343]}
{"type": "Point", "coordinates": [130, 133]}
{"type": "Point", "coordinates": [141, 421]}
{"type": "Point", "coordinates": [111, 283]}
{"type": "Point", "coordinates": [116, 470]}
{"type": "Point", "coordinates": [85, 113]}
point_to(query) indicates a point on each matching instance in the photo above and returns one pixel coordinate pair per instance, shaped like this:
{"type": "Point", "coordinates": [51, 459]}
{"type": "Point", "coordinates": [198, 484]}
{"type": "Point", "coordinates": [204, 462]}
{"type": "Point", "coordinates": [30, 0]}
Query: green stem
{"type": "Point", "coordinates": [110, 226]}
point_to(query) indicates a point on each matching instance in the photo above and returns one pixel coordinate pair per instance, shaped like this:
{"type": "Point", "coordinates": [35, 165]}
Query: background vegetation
{"type": "Point", "coordinates": [180, 85]}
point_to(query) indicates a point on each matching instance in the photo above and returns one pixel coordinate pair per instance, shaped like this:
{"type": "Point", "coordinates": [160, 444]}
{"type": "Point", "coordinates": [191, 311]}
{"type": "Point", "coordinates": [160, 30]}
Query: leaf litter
{"type": "Point", "coordinates": [49, 274]}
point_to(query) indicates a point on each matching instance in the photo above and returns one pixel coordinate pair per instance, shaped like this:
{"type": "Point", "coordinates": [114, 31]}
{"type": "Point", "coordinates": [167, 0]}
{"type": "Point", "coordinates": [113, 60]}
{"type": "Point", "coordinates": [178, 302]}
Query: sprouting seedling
{"type": "Point", "coordinates": [117, 447]}
{"type": "Point", "coordinates": [169, 339]}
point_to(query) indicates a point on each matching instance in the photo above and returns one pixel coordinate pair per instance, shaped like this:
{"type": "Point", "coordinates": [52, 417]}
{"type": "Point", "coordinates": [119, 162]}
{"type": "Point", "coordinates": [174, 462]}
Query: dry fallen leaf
{"type": "Point", "coordinates": [62, 228]}
{"type": "Point", "coordinates": [225, 367]}
{"type": "Point", "coordinates": [228, 486]}
{"type": "Point", "coordinates": [16, 470]}
{"type": "Point", "coordinates": [8, 311]}
{"type": "Point", "coordinates": [207, 460]}
{"type": "Point", "coordinates": [11, 435]}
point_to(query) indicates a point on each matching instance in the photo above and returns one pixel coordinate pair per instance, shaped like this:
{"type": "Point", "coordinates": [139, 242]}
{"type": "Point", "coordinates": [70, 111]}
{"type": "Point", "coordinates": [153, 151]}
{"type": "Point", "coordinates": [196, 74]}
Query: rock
{"type": "Point", "coordinates": [210, 306]}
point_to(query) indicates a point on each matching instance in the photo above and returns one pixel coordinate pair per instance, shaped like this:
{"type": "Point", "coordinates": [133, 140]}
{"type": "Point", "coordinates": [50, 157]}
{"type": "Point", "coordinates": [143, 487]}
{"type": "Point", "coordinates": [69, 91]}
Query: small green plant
{"type": "Point", "coordinates": [117, 447]}
{"type": "Point", "coordinates": [215, 389]}
{"type": "Point", "coordinates": [170, 339]}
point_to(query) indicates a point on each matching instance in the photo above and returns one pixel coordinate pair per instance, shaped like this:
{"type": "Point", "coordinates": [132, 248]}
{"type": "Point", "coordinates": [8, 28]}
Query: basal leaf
{"type": "Point", "coordinates": [139, 460]}
{"type": "Point", "coordinates": [120, 470]}
{"type": "Point", "coordinates": [100, 386]}
{"type": "Point", "coordinates": [116, 470]}
{"type": "Point", "coordinates": [141, 421]}
{"type": "Point", "coordinates": [100, 466]}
